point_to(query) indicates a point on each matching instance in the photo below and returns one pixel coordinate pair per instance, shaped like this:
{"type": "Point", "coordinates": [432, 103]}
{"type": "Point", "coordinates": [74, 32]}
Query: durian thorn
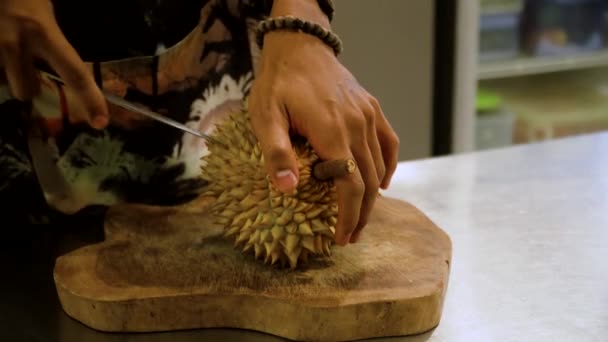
{"type": "Point", "coordinates": [287, 201]}
{"type": "Point", "coordinates": [258, 219]}
{"type": "Point", "coordinates": [318, 244]}
{"type": "Point", "coordinates": [304, 196]}
{"type": "Point", "coordinates": [327, 232]}
{"type": "Point", "coordinates": [247, 247]}
{"type": "Point", "coordinates": [247, 214]}
{"type": "Point", "coordinates": [291, 241]}
{"type": "Point", "coordinates": [277, 232]}
{"type": "Point", "coordinates": [239, 192]}
{"type": "Point", "coordinates": [243, 237]}
{"type": "Point", "coordinates": [266, 219]}
{"type": "Point", "coordinates": [264, 234]}
{"type": "Point", "coordinates": [314, 212]}
{"type": "Point", "coordinates": [258, 250]}
{"type": "Point", "coordinates": [285, 217]}
{"type": "Point", "coordinates": [291, 228]}
{"type": "Point", "coordinates": [302, 206]}
{"type": "Point", "coordinates": [247, 225]}
{"type": "Point", "coordinates": [332, 229]}
{"type": "Point", "coordinates": [332, 220]}
{"type": "Point", "coordinates": [293, 257]}
{"type": "Point", "coordinates": [316, 197]}
{"type": "Point", "coordinates": [222, 221]}
{"type": "Point", "coordinates": [308, 242]}
{"type": "Point", "coordinates": [299, 217]}
{"type": "Point", "coordinates": [317, 225]}
{"type": "Point", "coordinates": [334, 208]}
{"type": "Point", "coordinates": [305, 188]}
{"type": "Point", "coordinates": [276, 199]}
{"type": "Point", "coordinates": [232, 231]}
{"type": "Point", "coordinates": [267, 259]}
{"type": "Point", "coordinates": [304, 229]}
{"type": "Point", "coordinates": [249, 201]}
{"type": "Point", "coordinates": [274, 257]}
{"type": "Point", "coordinates": [268, 248]}
{"type": "Point", "coordinates": [254, 238]}
{"type": "Point", "coordinates": [326, 249]}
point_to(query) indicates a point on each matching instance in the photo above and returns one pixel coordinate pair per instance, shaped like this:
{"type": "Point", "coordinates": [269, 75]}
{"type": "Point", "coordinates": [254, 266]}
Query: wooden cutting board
{"type": "Point", "coordinates": [166, 269]}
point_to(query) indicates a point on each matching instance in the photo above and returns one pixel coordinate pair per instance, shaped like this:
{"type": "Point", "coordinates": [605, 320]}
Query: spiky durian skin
{"type": "Point", "coordinates": [279, 228]}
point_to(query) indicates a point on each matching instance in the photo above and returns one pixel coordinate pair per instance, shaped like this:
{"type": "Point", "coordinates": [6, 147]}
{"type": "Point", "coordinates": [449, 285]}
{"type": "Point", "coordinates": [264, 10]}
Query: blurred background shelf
{"type": "Point", "coordinates": [522, 66]}
{"type": "Point", "coordinates": [541, 107]}
{"type": "Point", "coordinates": [524, 71]}
{"type": "Point", "coordinates": [542, 70]}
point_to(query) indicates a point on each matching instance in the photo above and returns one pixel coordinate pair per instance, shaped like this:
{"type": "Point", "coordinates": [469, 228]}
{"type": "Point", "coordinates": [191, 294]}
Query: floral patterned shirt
{"type": "Point", "coordinates": [191, 60]}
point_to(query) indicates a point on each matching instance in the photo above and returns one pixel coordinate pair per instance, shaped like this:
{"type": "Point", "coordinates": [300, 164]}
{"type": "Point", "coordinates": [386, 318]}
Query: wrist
{"type": "Point", "coordinates": [304, 9]}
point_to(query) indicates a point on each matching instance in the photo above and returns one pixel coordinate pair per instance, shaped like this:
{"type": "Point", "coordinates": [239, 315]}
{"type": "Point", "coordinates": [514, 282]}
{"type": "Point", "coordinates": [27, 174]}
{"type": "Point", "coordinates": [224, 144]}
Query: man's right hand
{"type": "Point", "coordinates": [29, 32]}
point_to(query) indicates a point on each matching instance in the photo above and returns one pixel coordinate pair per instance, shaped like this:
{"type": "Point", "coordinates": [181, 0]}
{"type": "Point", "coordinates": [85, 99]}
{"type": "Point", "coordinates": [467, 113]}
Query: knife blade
{"type": "Point", "coordinates": [119, 101]}
{"type": "Point", "coordinates": [55, 187]}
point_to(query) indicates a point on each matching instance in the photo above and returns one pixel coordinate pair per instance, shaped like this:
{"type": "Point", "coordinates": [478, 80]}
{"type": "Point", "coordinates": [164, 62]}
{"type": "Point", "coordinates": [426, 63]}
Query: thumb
{"type": "Point", "coordinates": [272, 131]}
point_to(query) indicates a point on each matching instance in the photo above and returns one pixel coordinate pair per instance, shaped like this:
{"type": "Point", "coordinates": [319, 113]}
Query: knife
{"type": "Point", "coordinates": [119, 101]}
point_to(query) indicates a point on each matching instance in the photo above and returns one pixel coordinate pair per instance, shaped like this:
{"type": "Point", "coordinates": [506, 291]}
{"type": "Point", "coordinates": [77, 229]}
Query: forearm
{"type": "Point", "coordinates": [303, 9]}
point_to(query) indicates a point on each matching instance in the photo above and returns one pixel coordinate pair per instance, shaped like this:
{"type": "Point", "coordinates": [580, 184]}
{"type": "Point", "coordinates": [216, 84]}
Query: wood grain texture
{"type": "Point", "coordinates": [169, 268]}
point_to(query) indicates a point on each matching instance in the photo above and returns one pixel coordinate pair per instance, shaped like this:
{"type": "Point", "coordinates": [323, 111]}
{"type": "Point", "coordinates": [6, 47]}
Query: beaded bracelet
{"type": "Point", "coordinates": [327, 7]}
{"type": "Point", "coordinates": [297, 24]}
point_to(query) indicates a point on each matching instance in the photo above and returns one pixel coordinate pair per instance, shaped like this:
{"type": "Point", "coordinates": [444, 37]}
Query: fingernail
{"type": "Point", "coordinates": [348, 238]}
{"type": "Point", "coordinates": [285, 180]}
{"type": "Point", "coordinates": [342, 241]}
{"type": "Point", "coordinates": [100, 121]}
{"type": "Point", "coordinates": [385, 184]}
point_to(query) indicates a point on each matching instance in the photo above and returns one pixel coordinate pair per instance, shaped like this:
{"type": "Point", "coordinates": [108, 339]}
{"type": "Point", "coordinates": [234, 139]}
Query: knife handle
{"type": "Point", "coordinates": [335, 168]}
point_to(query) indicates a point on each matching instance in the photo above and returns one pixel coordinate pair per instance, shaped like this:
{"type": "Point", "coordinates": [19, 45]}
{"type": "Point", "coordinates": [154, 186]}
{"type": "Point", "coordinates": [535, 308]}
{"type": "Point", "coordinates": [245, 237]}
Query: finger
{"type": "Point", "coordinates": [350, 191]}
{"type": "Point", "coordinates": [374, 143]}
{"type": "Point", "coordinates": [366, 165]}
{"type": "Point", "coordinates": [331, 144]}
{"type": "Point", "coordinates": [389, 143]}
{"type": "Point", "coordinates": [64, 59]}
{"type": "Point", "coordinates": [271, 128]}
{"type": "Point", "coordinates": [20, 74]}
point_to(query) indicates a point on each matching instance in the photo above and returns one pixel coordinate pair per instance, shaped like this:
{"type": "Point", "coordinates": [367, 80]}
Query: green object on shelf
{"type": "Point", "coordinates": [500, 6]}
{"type": "Point", "coordinates": [487, 101]}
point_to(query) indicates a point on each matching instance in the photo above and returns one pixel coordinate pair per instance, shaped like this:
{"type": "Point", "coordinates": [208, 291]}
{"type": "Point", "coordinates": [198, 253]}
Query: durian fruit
{"type": "Point", "coordinates": [279, 229]}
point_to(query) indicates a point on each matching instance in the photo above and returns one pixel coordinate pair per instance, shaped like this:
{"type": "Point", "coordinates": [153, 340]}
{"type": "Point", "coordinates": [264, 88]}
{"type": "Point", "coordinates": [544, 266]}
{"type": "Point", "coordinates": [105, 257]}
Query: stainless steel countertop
{"type": "Point", "coordinates": [529, 226]}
